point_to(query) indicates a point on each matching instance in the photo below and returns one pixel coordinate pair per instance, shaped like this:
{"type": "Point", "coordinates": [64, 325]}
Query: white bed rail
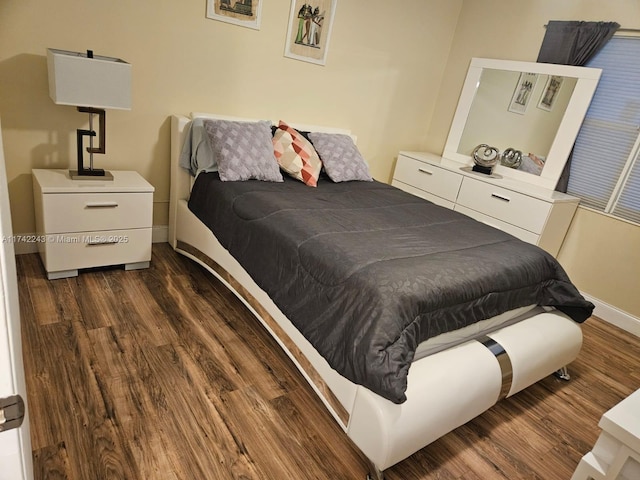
{"type": "Point", "coordinates": [449, 388]}
{"type": "Point", "coordinates": [180, 178]}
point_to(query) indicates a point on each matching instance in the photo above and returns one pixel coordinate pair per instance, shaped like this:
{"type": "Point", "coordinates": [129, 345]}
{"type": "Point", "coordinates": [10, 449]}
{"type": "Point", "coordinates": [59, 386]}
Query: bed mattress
{"type": "Point", "coordinates": [367, 272]}
{"type": "Point", "coordinates": [475, 330]}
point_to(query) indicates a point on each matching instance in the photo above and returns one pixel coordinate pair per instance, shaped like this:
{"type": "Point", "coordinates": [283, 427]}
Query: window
{"type": "Point", "coordinates": [605, 168]}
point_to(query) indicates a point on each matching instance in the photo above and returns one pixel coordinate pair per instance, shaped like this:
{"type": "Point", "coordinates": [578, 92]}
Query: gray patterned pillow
{"type": "Point", "coordinates": [244, 150]}
{"type": "Point", "coordinates": [341, 158]}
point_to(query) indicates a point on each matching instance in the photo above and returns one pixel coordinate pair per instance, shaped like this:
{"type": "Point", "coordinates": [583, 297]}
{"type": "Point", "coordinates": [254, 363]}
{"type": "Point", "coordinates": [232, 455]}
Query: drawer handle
{"type": "Point", "coordinates": [96, 243]}
{"type": "Point", "coordinates": [101, 204]}
{"type": "Point", "coordinates": [422, 170]}
{"type": "Point", "coordinates": [500, 197]}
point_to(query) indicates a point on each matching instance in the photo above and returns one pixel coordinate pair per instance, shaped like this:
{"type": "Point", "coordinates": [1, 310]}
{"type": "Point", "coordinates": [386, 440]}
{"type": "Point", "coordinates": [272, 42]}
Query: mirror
{"type": "Point", "coordinates": [525, 110]}
{"type": "Point", "coordinates": [533, 108]}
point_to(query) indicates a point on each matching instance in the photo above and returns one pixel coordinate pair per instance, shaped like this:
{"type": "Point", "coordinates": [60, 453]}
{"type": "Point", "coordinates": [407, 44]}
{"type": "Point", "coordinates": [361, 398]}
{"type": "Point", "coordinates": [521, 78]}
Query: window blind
{"type": "Point", "coordinates": [628, 205]}
{"type": "Point", "coordinates": [609, 134]}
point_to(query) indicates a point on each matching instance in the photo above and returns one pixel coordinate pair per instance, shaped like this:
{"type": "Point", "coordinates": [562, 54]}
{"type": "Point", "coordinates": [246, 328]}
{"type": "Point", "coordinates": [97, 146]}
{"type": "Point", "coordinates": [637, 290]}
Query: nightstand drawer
{"type": "Point", "coordinates": [511, 207]}
{"type": "Point", "coordinates": [83, 212]}
{"type": "Point", "coordinates": [92, 249]}
{"type": "Point", "coordinates": [424, 176]}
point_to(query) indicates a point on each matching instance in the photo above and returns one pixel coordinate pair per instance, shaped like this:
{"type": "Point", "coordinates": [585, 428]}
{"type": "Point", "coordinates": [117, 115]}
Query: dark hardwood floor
{"type": "Point", "coordinates": [163, 374]}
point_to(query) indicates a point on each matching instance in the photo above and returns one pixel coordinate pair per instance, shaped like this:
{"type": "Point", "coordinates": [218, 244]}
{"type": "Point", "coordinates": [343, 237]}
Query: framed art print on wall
{"type": "Point", "coordinates": [309, 30]}
{"type": "Point", "coordinates": [245, 13]}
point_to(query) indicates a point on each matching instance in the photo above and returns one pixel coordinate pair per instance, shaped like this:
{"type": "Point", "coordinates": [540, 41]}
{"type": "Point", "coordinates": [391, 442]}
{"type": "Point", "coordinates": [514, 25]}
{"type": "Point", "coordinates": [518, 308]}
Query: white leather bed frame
{"type": "Point", "coordinates": [445, 389]}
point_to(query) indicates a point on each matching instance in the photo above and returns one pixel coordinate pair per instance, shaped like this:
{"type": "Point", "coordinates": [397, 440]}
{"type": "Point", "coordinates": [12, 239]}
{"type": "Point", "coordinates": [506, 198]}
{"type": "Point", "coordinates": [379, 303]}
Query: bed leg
{"type": "Point", "coordinates": [563, 374]}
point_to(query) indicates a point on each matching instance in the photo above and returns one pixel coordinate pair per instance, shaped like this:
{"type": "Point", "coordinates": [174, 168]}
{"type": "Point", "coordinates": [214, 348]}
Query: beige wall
{"type": "Point", "coordinates": [380, 80]}
{"type": "Point", "coordinates": [604, 256]}
{"type": "Point", "coordinates": [600, 253]}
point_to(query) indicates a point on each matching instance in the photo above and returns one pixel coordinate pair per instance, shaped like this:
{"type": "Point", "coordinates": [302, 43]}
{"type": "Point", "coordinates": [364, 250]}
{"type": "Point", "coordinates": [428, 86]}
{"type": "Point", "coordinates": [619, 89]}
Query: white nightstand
{"type": "Point", "coordinates": [92, 223]}
{"type": "Point", "coordinates": [616, 453]}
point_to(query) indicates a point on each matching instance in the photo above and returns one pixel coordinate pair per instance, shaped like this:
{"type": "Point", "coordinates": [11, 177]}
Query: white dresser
{"type": "Point", "coordinates": [91, 223]}
{"type": "Point", "coordinates": [534, 214]}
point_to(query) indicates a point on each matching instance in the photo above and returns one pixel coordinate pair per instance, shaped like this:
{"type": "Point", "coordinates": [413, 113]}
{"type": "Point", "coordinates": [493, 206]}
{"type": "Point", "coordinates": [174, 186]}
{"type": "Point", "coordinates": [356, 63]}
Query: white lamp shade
{"type": "Point", "coordinates": [99, 82]}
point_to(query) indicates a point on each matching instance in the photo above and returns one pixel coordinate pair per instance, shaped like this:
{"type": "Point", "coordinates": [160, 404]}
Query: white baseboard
{"type": "Point", "coordinates": [615, 316]}
{"type": "Point", "coordinates": [159, 234]}
{"type": "Point", "coordinates": [21, 247]}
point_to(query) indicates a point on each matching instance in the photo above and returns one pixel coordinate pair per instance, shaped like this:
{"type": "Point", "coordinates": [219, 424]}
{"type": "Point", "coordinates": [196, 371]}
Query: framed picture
{"type": "Point", "coordinates": [309, 30]}
{"type": "Point", "coordinates": [245, 13]}
{"type": "Point", "coordinates": [523, 92]}
{"type": "Point", "coordinates": [550, 92]}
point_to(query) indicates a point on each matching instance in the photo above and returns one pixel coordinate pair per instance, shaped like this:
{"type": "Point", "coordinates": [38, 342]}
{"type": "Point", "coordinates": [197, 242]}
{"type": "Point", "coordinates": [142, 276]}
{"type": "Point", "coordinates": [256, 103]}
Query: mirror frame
{"type": "Point", "coordinates": [587, 81]}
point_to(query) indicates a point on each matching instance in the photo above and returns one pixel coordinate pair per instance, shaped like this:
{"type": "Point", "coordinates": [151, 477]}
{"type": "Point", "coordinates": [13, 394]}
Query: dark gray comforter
{"type": "Point", "coordinates": [366, 271]}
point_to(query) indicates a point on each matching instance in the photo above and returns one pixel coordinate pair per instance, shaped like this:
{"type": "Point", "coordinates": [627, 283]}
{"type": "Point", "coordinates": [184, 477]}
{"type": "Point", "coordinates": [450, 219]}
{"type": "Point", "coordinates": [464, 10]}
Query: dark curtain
{"type": "Point", "coordinates": [573, 43]}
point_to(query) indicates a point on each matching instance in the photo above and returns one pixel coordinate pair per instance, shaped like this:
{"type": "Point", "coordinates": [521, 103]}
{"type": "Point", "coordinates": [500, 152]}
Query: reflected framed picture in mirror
{"type": "Point", "coordinates": [550, 92]}
{"type": "Point", "coordinates": [523, 92]}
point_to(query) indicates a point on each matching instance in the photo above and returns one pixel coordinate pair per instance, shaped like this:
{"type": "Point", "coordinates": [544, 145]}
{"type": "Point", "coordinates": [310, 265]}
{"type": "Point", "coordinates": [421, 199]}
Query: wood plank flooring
{"type": "Point", "coordinates": [163, 374]}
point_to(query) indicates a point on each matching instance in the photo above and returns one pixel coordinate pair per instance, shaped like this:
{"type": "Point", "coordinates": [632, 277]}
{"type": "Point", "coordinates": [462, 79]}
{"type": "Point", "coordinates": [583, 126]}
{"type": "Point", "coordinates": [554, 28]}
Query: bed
{"type": "Point", "coordinates": [393, 387]}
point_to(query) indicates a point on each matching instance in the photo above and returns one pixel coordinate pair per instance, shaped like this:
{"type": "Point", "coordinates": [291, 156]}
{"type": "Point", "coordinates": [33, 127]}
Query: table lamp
{"type": "Point", "coordinates": [92, 83]}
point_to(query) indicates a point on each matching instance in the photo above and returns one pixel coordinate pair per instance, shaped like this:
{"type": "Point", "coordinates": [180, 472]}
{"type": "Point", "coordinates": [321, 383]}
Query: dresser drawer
{"type": "Point", "coordinates": [93, 249]}
{"type": "Point", "coordinates": [422, 194]}
{"type": "Point", "coordinates": [517, 232]}
{"type": "Point", "coordinates": [85, 212]}
{"type": "Point", "coordinates": [506, 205]}
{"type": "Point", "coordinates": [427, 177]}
